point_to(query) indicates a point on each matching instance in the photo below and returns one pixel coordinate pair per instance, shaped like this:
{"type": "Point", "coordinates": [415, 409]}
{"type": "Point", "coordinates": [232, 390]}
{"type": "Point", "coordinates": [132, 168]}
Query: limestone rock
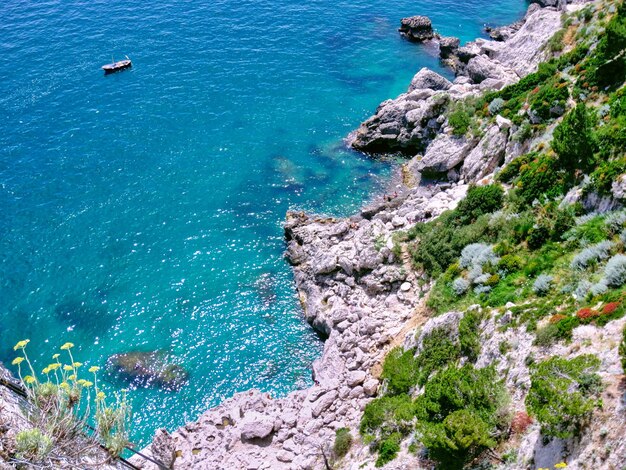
{"type": "Point", "coordinates": [416, 28]}
{"type": "Point", "coordinates": [426, 78]}
{"type": "Point", "coordinates": [443, 154]}
{"type": "Point", "coordinates": [448, 46]}
{"type": "Point", "coordinates": [256, 426]}
{"type": "Point", "coordinates": [487, 155]}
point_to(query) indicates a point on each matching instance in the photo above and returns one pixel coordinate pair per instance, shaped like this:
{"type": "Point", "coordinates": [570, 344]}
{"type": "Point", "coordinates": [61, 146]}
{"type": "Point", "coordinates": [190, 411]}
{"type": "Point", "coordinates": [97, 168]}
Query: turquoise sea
{"type": "Point", "coordinates": [143, 211]}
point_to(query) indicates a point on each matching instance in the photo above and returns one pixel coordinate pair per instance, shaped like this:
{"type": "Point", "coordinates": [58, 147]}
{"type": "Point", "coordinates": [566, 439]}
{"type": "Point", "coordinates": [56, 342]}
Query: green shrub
{"type": "Point", "coordinates": [388, 449]}
{"type": "Point", "coordinates": [469, 336]}
{"type": "Point", "coordinates": [573, 140]}
{"type": "Point", "coordinates": [400, 370]}
{"type": "Point", "coordinates": [457, 440]}
{"type": "Point", "coordinates": [555, 44]}
{"type": "Point", "coordinates": [388, 414]}
{"type": "Point", "coordinates": [480, 200]}
{"type": "Point", "coordinates": [459, 119]}
{"type": "Point", "coordinates": [32, 445]}
{"type": "Point", "coordinates": [606, 67]}
{"type": "Point", "coordinates": [461, 413]}
{"type": "Point", "coordinates": [343, 442]}
{"type": "Point", "coordinates": [552, 94]}
{"type": "Point", "coordinates": [510, 263]}
{"type": "Point", "coordinates": [441, 241]}
{"type": "Point", "coordinates": [438, 351]}
{"type": "Point", "coordinates": [559, 397]}
{"type": "Point", "coordinates": [540, 178]}
{"type": "Point", "coordinates": [547, 336]}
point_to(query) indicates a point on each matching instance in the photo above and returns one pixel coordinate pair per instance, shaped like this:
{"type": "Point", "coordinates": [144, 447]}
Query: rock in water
{"type": "Point", "coordinates": [149, 369]}
{"type": "Point", "coordinates": [416, 28]}
{"type": "Point", "coordinates": [448, 46]}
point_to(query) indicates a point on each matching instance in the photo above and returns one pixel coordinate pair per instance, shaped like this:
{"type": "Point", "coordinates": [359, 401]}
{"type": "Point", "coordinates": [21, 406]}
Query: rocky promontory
{"type": "Point", "coordinates": [358, 289]}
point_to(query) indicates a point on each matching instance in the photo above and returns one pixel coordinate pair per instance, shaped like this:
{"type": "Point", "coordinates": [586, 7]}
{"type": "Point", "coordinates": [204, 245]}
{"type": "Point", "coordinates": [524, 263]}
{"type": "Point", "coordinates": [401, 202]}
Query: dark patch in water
{"type": "Point", "coordinates": [84, 315]}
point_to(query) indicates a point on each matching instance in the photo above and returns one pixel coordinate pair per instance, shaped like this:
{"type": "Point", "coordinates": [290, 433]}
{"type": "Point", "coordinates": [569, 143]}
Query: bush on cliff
{"type": "Point", "coordinates": [343, 442]}
{"type": "Point", "coordinates": [438, 351]}
{"type": "Point", "coordinates": [459, 119]}
{"type": "Point", "coordinates": [400, 371]}
{"type": "Point", "coordinates": [573, 140]}
{"type": "Point", "coordinates": [462, 412]}
{"type": "Point", "coordinates": [563, 394]}
{"type": "Point", "coordinates": [480, 200]}
{"type": "Point", "coordinates": [469, 335]}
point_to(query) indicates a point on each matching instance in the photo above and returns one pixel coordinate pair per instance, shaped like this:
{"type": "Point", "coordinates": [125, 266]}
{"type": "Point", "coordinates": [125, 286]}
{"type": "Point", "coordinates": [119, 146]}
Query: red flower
{"type": "Point", "coordinates": [520, 422]}
{"type": "Point", "coordinates": [586, 313]}
{"type": "Point", "coordinates": [610, 308]}
{"type": "Point", "coordinates": [557, 318]}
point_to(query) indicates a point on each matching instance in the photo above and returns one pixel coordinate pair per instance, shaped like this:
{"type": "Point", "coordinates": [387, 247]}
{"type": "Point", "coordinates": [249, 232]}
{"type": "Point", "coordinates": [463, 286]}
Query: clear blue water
{"type": "Point", "coordinates": [143, 210]}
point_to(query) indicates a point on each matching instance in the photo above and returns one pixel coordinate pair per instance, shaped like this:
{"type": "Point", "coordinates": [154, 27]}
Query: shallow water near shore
{"type": "Point", "coordinates": [143, 210]}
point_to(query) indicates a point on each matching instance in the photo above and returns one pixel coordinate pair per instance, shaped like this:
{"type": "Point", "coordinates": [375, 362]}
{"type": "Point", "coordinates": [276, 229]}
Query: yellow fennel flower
{"type": "Point", "coordinates": [55, 356]}
{"type": "Point", "coordinates": [77, 364]}
{"type": "Point", "coordinates": [17, 361]}
{"type": "Point", "coordinates": [67, 367]}
{"type": "Point", "coordinates": [100, 396]}
{"type": "Point", "coordinates": [94, 369]}
{"type": "Point", "coordinates": [561, 465]}
{"type": "Point", "coordinates": [29, 379]}
{"type": "Point", "coordinates": [67, 346]}
{"type": "Point", "coordinates": [21, 344]}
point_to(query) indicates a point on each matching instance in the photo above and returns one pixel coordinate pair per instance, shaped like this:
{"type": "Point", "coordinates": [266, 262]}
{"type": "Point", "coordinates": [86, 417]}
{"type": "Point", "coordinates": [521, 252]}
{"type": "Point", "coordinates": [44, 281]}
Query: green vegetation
{"type": "Point", "coordinates": [520, 252]}
{"type": "Point", "coordinates": [469, 337]}
{"type": "Point", "coordinates": [573, 140]}
{"type": "Point", "coordinates": [400, 371]}
{"type": "Point", "coordinates": [563, 394]}
{"type": "Point", "coordinates": [461, 413]}
{"type": "Point", "coordinates": [460, 120]}
{"type": "Point", "coordinates": [62, 404]}
{"type": "Point", "coordinates": [343, 442]}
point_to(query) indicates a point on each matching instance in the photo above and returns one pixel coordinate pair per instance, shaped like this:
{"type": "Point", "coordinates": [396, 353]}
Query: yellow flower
{"type": "Point", "coordinates": [17, 361]}
{"type": "Point", "coordinates": [46, 370]}
{"type": "Point", "coordinates": [81, 381]}
{"type": "Point", "coordinates": [561, 465]}
{"type": "Point", "coordinates": [21, 344]}
{"type": "Point", "coordinates": [65, 386]}
{"type": "Point", "coordinates": [100, 396]}
{"type": "Point", "coordinates": [67, 346]}
{"type": "Point", "coordinates": [67, 367]}
{"type": "Point", "coordinates": [87, 384]}
{"type": "Point", "coordinates": [77, 364]}
{"type": "Point", "coordinates": [94, 369]}
{"type": "Point", "coordinates": [54, 366]}
{"type": "Point", "coordinates": [72, 377]}
{"type": "Point", "coordinates": [29, 379]}
{"type": "Point", "coordinates": [55, 356]}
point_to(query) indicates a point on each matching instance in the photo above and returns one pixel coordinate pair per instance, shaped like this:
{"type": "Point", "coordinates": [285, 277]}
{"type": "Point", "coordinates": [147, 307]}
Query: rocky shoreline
{"type": "Point", "coordinates": [354, 289]}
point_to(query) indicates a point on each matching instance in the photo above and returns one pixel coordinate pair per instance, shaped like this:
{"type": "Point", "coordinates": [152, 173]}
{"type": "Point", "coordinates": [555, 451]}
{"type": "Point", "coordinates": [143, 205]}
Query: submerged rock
{"type": "Point", "coordinates": [149, 369]}
{"type": "Point", "coordinates": [416, 28]}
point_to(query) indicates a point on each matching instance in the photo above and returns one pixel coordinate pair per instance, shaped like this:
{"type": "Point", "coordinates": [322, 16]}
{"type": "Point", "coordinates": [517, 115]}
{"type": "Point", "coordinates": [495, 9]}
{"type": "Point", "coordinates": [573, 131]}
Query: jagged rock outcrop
{"type": "Point", "coordinates": [444, 153]}
{"type": "Point", "coordinates": [427, 79]}
{"type": "Point", "coordinates": [411, 121]}
{"type": "Point", "coordinates": [487, 155]}
{"type": "Point", "coordinates": [448, 46]}
{"type": "Point", "coordinates": [416, 28]}
{"type": "Point", "coordinates": [354, 290]}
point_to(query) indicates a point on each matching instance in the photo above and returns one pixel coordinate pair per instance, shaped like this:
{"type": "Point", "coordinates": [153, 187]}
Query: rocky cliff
{"type": "Point", "coordinates": [361, 293]}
